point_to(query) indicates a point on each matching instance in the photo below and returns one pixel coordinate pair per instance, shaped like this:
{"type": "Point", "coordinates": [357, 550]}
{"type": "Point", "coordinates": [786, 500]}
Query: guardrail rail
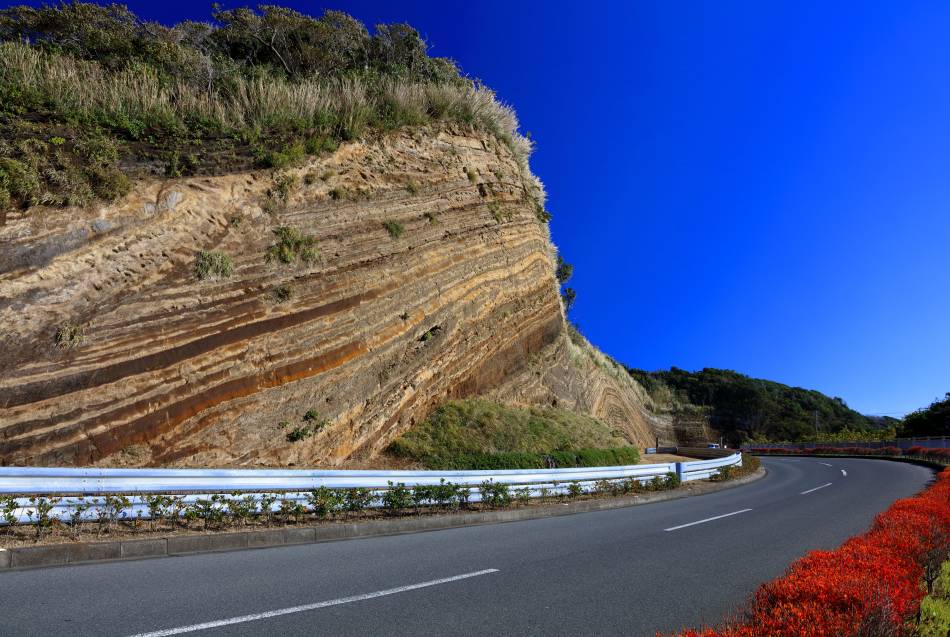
{"type": "Point", "coordinates": [78, 492]}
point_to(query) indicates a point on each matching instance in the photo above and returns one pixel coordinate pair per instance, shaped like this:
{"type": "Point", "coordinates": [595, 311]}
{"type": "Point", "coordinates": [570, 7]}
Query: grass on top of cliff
{"type": "Point", "coordinates": [90, 92]}
{"type": "Point", "coordinates": [482, 434]}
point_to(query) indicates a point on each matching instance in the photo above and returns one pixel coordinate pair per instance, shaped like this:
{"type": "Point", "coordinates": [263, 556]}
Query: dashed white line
{"type": "Point", "coordinates": [300, 609]}
{"type": "Point", "coordinates": [718, 517]}
{"type": "Point", "coordinates": [825, 463]}
{"type": "Point", "coordinates": [815, 489]}
{"type": "Point", "coordinates": [844, 473]}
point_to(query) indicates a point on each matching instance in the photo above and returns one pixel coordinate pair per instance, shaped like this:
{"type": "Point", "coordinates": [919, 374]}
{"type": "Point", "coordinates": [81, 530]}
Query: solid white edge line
{"type": "Point", "coordinates": [815, 489]}
{"type": "Point", "coordinates": [718, 517]}
{"type": "Point", "coordinates": [825, 463]}
{"type": "Point", "coordinates": [300, 609]}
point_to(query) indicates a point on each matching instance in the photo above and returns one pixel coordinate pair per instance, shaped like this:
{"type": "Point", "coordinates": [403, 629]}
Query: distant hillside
{"type": "Point", "coordinates": [744, 408]}
{"type": "Point", "coordinates": [930, 421]}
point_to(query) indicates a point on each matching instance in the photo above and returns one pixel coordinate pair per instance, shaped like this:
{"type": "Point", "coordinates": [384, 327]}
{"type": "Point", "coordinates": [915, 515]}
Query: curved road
{"type": "Point", "coordinates": [626, 571]}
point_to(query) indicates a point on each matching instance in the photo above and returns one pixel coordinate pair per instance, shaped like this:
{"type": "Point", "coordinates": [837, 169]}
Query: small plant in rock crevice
{"type": "Point", "coordinates": [394, 228]}
{"type": "Point", "coordinates": [314, 423]}
{"type": "Point", "coordinates": [69, 335]}
{"type": "Point", "coordinates": [291, 245]}
{"type": "Point", "coordinates": [283, 293]}
{"type": "Point", "coordinates": [213, 265]}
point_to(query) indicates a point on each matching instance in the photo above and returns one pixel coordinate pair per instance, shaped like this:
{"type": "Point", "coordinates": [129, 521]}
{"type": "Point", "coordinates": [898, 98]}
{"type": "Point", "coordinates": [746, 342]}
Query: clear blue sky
{"type": "Point", "coordinates": [759, 186]}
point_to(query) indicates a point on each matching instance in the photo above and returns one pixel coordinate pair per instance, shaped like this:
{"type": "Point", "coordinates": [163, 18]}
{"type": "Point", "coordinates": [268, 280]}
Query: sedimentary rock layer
{"type": "Point", "coordinates": [433, 280]}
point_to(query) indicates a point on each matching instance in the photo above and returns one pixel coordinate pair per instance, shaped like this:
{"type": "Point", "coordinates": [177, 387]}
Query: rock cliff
{"type": "Point", "coordinates": [432, 278]}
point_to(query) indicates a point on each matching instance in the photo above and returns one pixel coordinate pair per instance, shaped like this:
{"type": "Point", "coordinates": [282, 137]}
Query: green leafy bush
{"type": "Point", "coordinates": [355, 500]}
{"type": "Point", "coordinates": [394, 228]}
{"type": "Point", "coordinates": [283, 293]}
{"type": "Point", "coordinates": [213, 265]}
{"type": "Point", "coordinates": [494, 494]}
{"type": "Point", "coordinates": [325, 502]}
{"type": "Point", "coordinates": [397, 498]}
{"type": "Point", "coordinates": [290, 245]}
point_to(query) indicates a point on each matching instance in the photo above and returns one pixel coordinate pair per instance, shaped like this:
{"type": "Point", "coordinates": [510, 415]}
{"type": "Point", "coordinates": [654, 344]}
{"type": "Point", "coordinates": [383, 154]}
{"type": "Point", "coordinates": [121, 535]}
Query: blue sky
{"type": "Point", "coordinates": [759, 186]}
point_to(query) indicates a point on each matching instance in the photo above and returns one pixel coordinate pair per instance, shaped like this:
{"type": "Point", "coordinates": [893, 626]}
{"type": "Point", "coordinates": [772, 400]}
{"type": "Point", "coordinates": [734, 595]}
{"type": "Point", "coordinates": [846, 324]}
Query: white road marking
{"type": "Point", "coordinates": [301, 609]}
{"type": "Point", "coordinates": [718, 517]}
{"type": "Point", "coordinates": [815, 489]}
{"type": "Point", "coordinates": [844, 473]}
{"type": "Point", "coordinates": [825, 463]}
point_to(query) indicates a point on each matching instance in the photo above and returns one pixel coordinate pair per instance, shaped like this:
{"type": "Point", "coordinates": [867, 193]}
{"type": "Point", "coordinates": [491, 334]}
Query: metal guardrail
{"type": "Point", "coordinates": [89, 487]}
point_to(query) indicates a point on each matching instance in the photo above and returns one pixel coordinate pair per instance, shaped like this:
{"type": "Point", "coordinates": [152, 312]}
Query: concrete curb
{"type": "Point", "coordinates": [91, 552]}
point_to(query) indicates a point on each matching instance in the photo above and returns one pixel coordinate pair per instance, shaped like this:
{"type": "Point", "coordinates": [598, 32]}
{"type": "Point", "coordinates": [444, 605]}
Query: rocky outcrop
{"type": "Point", "coordinates": [572, 374]}
{"type": "Point", "coordinates": [432, 280]}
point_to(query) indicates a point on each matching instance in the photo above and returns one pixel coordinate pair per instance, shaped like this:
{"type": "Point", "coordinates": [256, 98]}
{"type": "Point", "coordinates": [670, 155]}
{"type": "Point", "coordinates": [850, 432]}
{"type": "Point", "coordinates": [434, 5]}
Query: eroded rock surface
{"type": "Point", "coordinates": [456, 298]}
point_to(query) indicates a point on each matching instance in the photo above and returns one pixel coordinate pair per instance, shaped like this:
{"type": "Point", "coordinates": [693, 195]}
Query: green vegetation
{"type": "Point", "coordinates": [69, 335]}
{"type": "Point", "coordinates": [283, 293]}
{"type": "Point", "coordinates": [751, 409]}
{"type": "Point", "coordinates": [500, 214]}
{"type": "Point", "coordinates": [213, 265]}
{"type": "Point", "coordinates": [85, 88]}
{"type": "Point", "coordinates": [481, 434]}
{"type": "Point", "coordinates": [563, 271]}
{"type": "Point", "coordinates": [314, 423]}
{"type": "Point", "coordinates": [291, 245]}
{"type": "Point", "coordinates": [394, 228]}
{"type": "Point", "coordinates": [935, 608]}
{"type": "Point", "coordinates": [930, 421]}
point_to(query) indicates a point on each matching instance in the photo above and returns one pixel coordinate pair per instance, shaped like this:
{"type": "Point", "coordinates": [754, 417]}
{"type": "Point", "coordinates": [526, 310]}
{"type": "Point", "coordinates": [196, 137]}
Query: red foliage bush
{"type": "Point", "coordinates": [871, 585]}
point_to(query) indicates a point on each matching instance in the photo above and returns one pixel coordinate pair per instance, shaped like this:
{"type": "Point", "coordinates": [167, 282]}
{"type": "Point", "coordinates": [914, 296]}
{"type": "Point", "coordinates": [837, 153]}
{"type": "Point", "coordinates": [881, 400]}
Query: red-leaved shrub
{"type": "Point", "coordinates": [870, 586]}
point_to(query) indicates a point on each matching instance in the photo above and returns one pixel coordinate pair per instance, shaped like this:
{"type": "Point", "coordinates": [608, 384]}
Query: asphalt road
{"type": "Point", "coordinates": [626, 571]}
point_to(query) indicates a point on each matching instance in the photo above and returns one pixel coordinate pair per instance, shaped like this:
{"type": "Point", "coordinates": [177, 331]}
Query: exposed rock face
{"type": "Point", "coordinates": [572, 374]}
{"type": "Point", "coordinates": [377, 331]}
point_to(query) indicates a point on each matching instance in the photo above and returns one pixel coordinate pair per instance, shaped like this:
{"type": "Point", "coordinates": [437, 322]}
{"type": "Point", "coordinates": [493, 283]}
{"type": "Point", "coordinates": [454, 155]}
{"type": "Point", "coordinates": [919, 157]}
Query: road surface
{"type": "Point", "coordinates": [629, 571]}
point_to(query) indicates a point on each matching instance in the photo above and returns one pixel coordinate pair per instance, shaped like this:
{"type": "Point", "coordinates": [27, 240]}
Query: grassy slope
{"type": "Point", "coordinates": [481, 434]}
{"type": "Point", "coordinates": [745, 408]}
{"type": "Point", "coordinates": [98, 96]}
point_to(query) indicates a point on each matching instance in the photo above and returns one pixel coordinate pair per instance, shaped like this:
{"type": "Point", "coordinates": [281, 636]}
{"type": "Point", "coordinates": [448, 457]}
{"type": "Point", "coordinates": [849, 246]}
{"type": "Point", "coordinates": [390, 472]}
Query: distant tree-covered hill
{"type": "Point", "coordinates": [930, 421]}
{"type": "Point", "coordinates": [752, 409]}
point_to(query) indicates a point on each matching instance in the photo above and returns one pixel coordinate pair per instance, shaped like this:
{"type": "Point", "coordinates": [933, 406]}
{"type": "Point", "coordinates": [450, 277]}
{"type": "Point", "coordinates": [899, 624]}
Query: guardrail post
{"type": "Point", "coordinates": [680, 472]}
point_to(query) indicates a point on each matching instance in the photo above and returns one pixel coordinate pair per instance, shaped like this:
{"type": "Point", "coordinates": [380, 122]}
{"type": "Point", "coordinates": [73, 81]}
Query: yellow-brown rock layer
{"type": "Point", "coordinates": [377, 331]}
